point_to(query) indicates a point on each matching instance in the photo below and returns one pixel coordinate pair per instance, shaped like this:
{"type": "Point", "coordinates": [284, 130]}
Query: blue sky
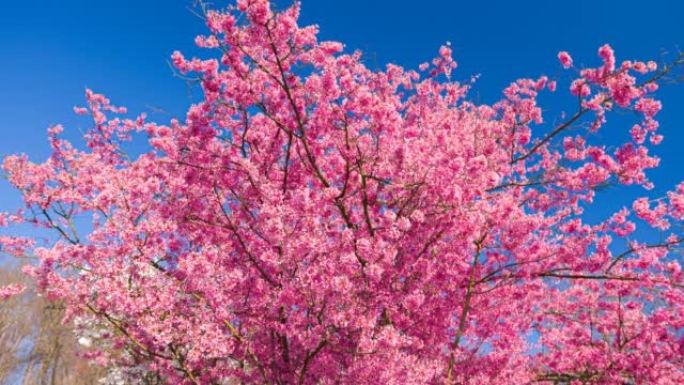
{"type": "Point", "coordinates": [52, 50]}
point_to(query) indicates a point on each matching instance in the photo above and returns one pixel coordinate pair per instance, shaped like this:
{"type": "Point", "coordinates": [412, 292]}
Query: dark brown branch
{"type": "Point", "coordinates": [307, 360]}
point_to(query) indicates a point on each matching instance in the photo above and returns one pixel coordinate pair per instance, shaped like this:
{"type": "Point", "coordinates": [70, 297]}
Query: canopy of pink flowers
{"type": "Point", "coordinates": [313, 221]}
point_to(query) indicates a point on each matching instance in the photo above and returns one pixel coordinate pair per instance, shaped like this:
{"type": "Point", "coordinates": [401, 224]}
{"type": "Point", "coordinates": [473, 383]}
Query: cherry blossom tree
{"type": "Point", "coordinates": [314, 221]}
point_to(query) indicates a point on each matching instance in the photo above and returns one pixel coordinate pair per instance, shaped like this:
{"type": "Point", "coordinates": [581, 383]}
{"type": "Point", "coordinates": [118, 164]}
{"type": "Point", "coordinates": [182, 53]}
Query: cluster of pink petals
{"type": "Point", "coordinates": [565, 59]}
{"type": "Point", "coordinates": [655, 217]}
{"type": "Point", "coordinates": [10, 291]}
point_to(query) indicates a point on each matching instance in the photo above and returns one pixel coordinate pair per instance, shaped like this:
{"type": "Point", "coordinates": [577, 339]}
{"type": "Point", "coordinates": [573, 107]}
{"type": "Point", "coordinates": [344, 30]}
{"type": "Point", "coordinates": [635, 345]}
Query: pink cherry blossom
{"type": "Point", "coordinates": [565, 59]}
{"type": "Point", "coordinates": [10, 291]}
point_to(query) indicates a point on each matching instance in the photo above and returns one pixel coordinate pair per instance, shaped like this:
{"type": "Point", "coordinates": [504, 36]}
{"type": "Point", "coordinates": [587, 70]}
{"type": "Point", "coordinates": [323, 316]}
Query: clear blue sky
{"type": "Point", "coordinates": [53, 49]}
